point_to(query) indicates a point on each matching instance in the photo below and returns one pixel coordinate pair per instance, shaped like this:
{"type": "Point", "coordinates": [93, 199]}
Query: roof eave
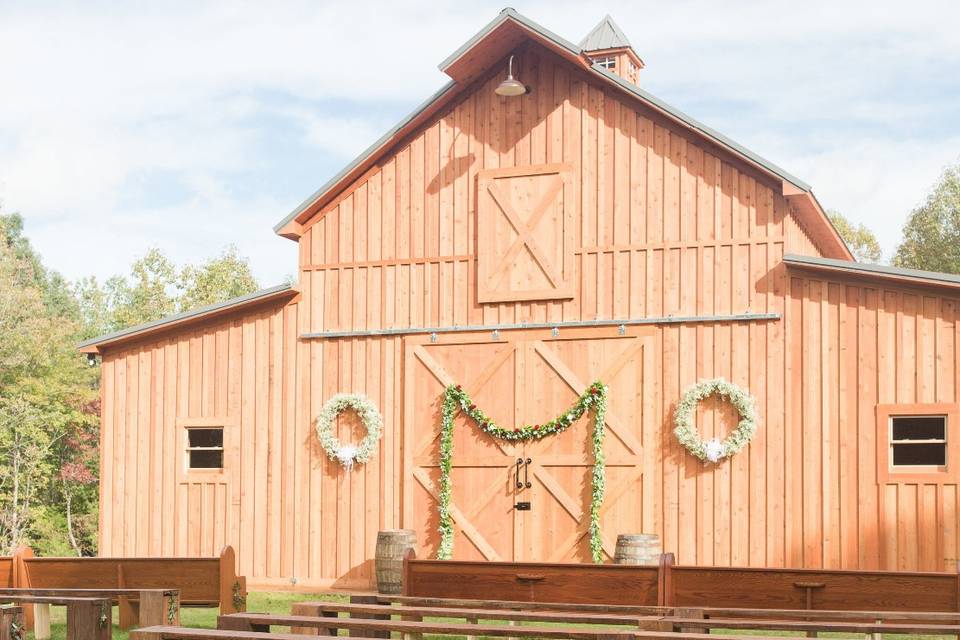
{"type": "Point", "coordinates": [263, 296]}
{"type": "Point", "coordinates": [897, 275]}
{"type": "Point", "coordinates": [291, 225]}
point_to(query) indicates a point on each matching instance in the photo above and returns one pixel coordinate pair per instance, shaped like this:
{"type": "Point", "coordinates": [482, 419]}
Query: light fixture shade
{"type": "Point", "coordinates": [510, 87]}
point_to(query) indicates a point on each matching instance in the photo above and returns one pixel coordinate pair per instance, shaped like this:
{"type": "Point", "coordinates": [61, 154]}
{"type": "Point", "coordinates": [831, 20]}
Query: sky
{"type": "Point", "coordinates": [190, 126]}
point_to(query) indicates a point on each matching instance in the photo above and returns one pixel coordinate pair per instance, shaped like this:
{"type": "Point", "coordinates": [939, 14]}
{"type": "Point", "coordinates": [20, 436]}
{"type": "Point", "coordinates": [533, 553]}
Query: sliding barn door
{"type": "Point", "coordinates": [526, 377]}
{"type": "Point", "coordinates": [556, 372]}
{"type": "Point", "coordinates": [483, 500]}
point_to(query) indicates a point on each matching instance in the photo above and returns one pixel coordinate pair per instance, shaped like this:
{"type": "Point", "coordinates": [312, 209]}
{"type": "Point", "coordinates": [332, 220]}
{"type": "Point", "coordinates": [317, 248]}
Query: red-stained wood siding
{"type": "Point", "coordinates": [665, 225]}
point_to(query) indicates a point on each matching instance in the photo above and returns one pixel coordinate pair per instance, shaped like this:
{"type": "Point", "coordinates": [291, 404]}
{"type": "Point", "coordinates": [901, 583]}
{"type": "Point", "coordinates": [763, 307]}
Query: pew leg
{"type": "Point", "coordinates": [233, 624]}
{"type": "Point", "coordinates": [84, 622]}
{"type": "Point", "coordinates": [41, 621]}
{"type": "Point", "coordinates": [158, 609]}
{"type": "Point", "coordinates": [412, 636]}
{"type": "Point", "coordinates": [128, 613]}
{"type": "Point", "coordinates": [300, 609]}
{"type": "Point", "coordinates": [368, 634]}
{"type": "Point", "coordinates": [472, 621]}
{"type": "Point", "coordinates": [693, 613]}
{"type": "Point", "coordinates": [11, 623]}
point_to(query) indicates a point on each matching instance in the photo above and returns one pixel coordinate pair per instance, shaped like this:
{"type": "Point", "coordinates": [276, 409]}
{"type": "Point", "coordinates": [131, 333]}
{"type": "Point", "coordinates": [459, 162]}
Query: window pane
{"type": "Point", "coordinates": [919, 454]}
{"type": "Point", "coordinates": [206, 459]}
{"type": "Point", "coordinates": [919, 427]}
{"type": "Point", "coordinates": [205, 437]}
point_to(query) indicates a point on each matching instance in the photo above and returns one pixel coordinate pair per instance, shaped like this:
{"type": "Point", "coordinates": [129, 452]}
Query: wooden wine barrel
{"type": "Point", "coordinates": [391, 544]}
{"type": "Point", "coordinates": [637, 548]}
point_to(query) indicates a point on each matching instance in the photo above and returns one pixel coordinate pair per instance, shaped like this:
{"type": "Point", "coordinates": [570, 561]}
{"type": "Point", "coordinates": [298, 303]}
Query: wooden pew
{"type": "Point", "coordinates": [517, 605]}
{"type": "Point", "coordinates": [323, 607]}
{"type": "Point", "coordinates": [703, 625]}
{"type": "Point", "coordinates": [671, 585]}
{"type": "Point", "coordinates": [202, 582]}
{"type": "Point", "coordinates": [87, 618]}
{"type": "Point", "coordinates": [156, 606]}
{"type": "Point", "coordinates": [414, 629]}
{"type": "Point", "coordinates": [186, 633]}
{"type": "Point", "coordinates": [944, 617]}
{"type": "Point", "coordinates": [694, 624]}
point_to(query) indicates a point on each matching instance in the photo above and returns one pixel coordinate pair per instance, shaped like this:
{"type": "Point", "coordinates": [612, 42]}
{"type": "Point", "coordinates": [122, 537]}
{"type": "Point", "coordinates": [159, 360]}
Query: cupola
{"type": "Point", "coordinates": [608, 47]}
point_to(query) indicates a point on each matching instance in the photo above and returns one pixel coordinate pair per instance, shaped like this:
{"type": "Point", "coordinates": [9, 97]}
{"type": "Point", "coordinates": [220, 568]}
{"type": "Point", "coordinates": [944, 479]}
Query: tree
{"type": "Point", "coordinates": [861, 241]}
{"type": "Point", "coordinates": [931, 236]}
{"type": "Point", "coordinates": [46, 391]}
{"type": "Point", "coordinates": [221, 278]}
{"type": "Point", "coordinates": [147, 296]}
{"type": "Point", "coordinates": [157, 288]}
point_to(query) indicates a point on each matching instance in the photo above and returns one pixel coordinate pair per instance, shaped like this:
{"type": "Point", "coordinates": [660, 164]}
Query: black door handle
{"type": "Point", "coordinates": [526, 474]}
{"type": "Point", "coordinates": [517, 473]}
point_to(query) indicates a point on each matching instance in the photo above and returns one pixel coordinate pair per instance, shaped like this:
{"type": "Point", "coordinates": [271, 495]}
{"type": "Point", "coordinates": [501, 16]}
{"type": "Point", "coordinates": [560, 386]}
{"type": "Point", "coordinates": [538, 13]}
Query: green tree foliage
{"type": "Point", "coordinates": [47, 396]}
{"type": "Point", "coordinates": [224, 277]}
{"type": "Point", "coordinates": [861, 241]}
{"type": "Point", "coordinates": [931, 237]}
{"type": "Point", "coordinates": [157, 288]}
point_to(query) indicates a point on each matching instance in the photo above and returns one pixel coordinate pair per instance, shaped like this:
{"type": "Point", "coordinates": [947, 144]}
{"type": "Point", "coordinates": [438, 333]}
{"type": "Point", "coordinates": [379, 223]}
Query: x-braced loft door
{"type": "Point", "coordinates": [528, 377]}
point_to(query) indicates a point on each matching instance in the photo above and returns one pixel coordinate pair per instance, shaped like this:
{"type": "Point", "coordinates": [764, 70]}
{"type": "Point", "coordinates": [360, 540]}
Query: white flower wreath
{"type": "Point", "coordinates": [715, 449]}
{"type": "Point", "coordinates": [349, 454]}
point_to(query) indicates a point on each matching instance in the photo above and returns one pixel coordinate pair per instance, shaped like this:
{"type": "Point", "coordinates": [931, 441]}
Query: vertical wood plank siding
{"type": "Point", "coordinates": [667, 225]}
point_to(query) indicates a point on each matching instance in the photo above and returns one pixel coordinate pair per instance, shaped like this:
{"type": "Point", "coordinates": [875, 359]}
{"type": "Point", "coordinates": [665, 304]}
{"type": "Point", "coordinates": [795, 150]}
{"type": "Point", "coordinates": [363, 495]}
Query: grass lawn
{"type": "Point", "coordinates": [267, 602]}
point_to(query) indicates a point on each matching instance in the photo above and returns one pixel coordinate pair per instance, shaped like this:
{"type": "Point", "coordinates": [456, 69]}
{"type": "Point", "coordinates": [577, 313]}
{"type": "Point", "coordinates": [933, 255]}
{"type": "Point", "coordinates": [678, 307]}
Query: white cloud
{"type": "Point", "coordinates": [190, 125]}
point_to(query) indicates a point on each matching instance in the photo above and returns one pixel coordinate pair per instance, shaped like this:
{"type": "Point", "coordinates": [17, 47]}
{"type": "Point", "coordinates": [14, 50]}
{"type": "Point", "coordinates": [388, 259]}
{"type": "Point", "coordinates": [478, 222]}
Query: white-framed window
{"type": "Point", "coordinates": [203, 445]}
{"type": "Point", "coordinates": [918, 443]}
{"type": "Point", "coordinates": [607, 62]}
{"type": "Point", "coordinates": [204, 448]}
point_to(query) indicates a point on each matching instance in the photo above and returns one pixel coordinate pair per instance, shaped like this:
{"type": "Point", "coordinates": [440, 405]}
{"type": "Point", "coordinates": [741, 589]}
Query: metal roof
{"type": "Point", "coordinates": [606, 35]}
{"type": "Point", "coordinates": [511, 14]}
{"type": "Point", "coordinates": [931, 277]}
{"type": "Point", "coordinates": [240, 301]}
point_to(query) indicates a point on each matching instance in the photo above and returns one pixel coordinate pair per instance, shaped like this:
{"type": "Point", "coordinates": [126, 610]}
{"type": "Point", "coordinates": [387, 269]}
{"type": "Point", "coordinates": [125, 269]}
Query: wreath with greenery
{"type": "Point", "coordinates": [348, 454]}
{"type": "Point", "coordinates": [455, 400]}
{"type": "Point", "coordinates": [715, 450]}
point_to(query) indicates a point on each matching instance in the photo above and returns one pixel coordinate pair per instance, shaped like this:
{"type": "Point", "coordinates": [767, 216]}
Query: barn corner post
{"type": "Point", "coordinates": [233, 588]}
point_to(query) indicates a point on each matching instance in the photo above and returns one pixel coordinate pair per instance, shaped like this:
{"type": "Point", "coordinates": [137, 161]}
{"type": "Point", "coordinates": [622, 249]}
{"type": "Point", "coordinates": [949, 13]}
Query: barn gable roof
{"type": "Point", "coordinates": [498, 38]}
{"type": "Point", "coordinates": [214, 310]}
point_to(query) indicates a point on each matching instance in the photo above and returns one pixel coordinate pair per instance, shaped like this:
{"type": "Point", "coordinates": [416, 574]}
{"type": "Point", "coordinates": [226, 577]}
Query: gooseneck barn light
{"type": "Point", "coordinates": [510, 86]}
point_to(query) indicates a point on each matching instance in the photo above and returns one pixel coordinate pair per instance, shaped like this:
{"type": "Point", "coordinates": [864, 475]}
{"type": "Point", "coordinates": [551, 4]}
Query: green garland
{"type": "Point", "coordinates": [455, 400]}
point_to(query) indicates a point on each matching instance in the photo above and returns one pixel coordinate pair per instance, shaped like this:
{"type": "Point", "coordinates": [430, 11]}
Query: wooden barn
{"type": "Point", "coordinates": [523, 246]}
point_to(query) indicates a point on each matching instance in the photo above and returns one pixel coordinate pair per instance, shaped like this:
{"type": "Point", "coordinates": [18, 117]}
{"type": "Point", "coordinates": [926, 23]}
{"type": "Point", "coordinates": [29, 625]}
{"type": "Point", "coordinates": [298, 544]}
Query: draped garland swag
{"type": "Point", "coordinates": [456, 400]}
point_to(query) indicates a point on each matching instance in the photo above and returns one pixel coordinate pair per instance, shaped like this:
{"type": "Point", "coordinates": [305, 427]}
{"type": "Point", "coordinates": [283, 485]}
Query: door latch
{"type": "Point", "coordinates": [522, 506]}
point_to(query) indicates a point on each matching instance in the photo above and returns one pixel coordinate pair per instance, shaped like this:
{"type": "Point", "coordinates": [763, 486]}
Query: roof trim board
{"type": "Point", "coordinates": [93, 345]}
{"type": "Point", "coordinates": [290, 225]}
{"type": "Point", "coordinates": [895, 274]}
{"type": "Point", "coordinates": [365, 155]}
{"type": "Point", "coordinates": [505, 15]}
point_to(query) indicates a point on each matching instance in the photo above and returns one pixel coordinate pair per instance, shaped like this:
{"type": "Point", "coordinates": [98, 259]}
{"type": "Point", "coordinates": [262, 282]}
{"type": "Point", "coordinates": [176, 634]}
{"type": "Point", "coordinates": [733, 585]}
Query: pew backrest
{"type": "Point", "coordinates": [200, 581]}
